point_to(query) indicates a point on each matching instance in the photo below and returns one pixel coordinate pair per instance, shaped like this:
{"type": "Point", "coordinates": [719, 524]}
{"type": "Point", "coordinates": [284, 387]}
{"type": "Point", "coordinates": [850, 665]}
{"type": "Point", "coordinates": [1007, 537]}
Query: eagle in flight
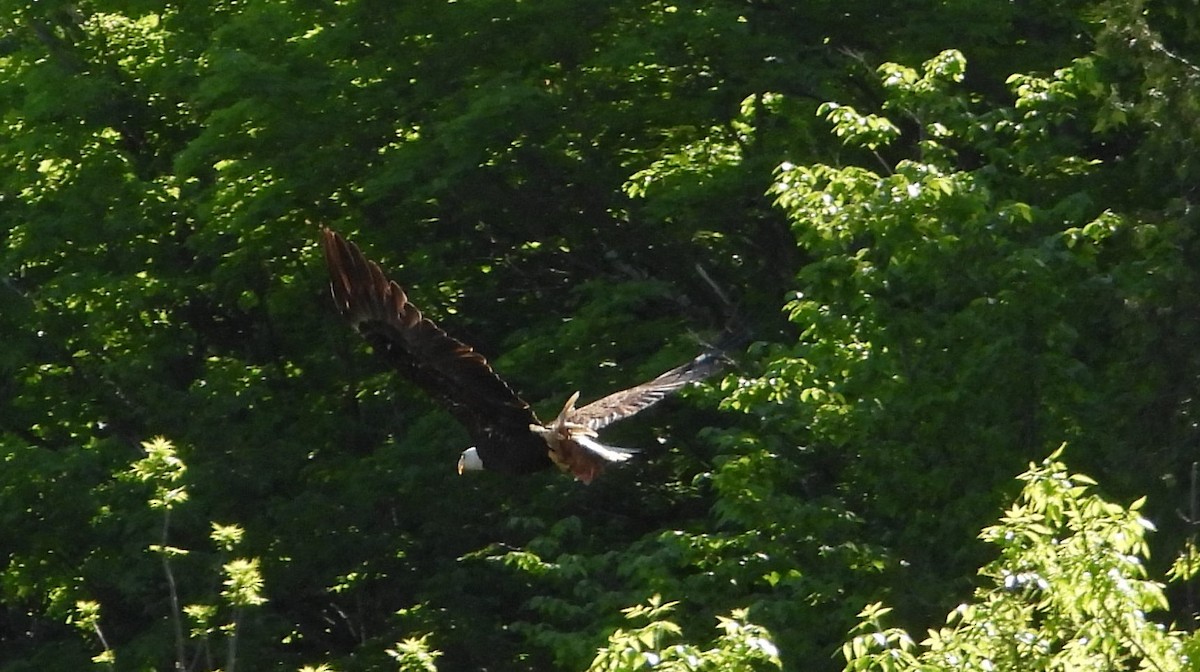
{"type": "Point", "coordinates": [508, 436]}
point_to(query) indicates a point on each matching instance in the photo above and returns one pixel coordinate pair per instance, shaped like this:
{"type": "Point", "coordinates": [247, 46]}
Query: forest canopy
{"type": "Point", "coordinates": [955, 242]}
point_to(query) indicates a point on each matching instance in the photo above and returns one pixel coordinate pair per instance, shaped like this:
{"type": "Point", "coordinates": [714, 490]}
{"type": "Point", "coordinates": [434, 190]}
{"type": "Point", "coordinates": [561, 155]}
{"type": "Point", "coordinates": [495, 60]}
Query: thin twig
{"type": "Point", "coordinates": [715, 288]}
{"type": "Point", "coordinates": [173, 593]}
{"type": "Point", "coordinates": [1194, 522]}
{"type": "Point", "coordinates": [231, 652]}
{"type": "Point", "coordinates": [112, 665]}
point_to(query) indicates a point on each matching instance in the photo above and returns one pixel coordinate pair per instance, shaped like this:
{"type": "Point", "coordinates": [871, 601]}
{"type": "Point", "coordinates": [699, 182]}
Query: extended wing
{"type": "Point", "coordinates": [445, 368]}
{"type": "Point", "coordinates": [621, 405]}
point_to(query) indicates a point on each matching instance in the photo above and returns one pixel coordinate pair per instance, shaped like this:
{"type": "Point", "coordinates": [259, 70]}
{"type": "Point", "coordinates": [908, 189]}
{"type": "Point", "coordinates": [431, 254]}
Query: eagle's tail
{"type": "Point", "coordinates": [607, 453]}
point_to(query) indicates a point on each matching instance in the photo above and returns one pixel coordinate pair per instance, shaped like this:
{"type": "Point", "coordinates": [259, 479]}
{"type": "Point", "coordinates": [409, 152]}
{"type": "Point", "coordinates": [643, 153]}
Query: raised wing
{"type": "Point", "coordinates": [447, 369]}
{"type": "Point", "coordinates": [621, 405]}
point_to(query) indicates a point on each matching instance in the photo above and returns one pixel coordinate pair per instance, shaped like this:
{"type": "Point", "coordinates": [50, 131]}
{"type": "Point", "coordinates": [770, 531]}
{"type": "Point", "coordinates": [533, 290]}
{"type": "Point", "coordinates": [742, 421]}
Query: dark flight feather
{"type": "Point", "coordinates": [447, 369]}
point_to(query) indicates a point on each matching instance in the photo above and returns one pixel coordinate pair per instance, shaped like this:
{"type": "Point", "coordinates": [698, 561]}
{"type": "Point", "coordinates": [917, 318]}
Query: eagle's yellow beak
{"type": "Point", "coordinates": [461, 466]}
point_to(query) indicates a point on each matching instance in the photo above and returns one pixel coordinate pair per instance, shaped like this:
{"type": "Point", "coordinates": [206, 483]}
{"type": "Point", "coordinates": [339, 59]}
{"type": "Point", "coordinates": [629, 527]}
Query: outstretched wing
{"type": "Point", "coordinates": [621, 405]}
{"type": "Point", "coordinates": [445, 368]}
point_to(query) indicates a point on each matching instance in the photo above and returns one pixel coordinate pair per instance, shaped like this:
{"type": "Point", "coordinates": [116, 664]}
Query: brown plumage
{"type": "Point", "coordinates": [508, 436]}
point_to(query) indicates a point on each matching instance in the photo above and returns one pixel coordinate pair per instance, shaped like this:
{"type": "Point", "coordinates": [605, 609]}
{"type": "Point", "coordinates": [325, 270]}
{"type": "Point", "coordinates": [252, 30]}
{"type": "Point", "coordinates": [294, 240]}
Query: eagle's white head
{"type": "Point", "coordinates": [469, 461]}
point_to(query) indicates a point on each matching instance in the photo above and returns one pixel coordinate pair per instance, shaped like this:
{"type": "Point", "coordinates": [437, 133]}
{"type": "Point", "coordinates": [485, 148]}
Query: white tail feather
{"type": "Point", "coordinates": [609, 453]}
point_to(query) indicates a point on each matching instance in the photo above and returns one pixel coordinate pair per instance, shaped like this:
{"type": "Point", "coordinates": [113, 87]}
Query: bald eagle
{"type": "Point", "coordinates": [508, 436]}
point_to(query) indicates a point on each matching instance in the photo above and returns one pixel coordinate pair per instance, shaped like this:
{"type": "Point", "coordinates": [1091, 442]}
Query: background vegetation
{"type": "Point", "coordinates": [957, 235]}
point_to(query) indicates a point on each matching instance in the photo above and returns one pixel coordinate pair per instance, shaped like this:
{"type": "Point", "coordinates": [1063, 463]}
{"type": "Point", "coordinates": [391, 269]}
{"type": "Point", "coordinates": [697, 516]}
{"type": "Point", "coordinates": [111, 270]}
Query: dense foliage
{"type": "Point", "coordinates": [954, 236]}
{"type": "Point", "coordinates": [1068, 592]}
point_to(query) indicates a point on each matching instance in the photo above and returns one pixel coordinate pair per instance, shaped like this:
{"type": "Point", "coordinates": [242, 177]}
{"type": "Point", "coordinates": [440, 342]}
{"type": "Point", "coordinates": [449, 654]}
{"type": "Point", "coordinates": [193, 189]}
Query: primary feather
{"type": "Point", "coordinates": [447, 369]}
